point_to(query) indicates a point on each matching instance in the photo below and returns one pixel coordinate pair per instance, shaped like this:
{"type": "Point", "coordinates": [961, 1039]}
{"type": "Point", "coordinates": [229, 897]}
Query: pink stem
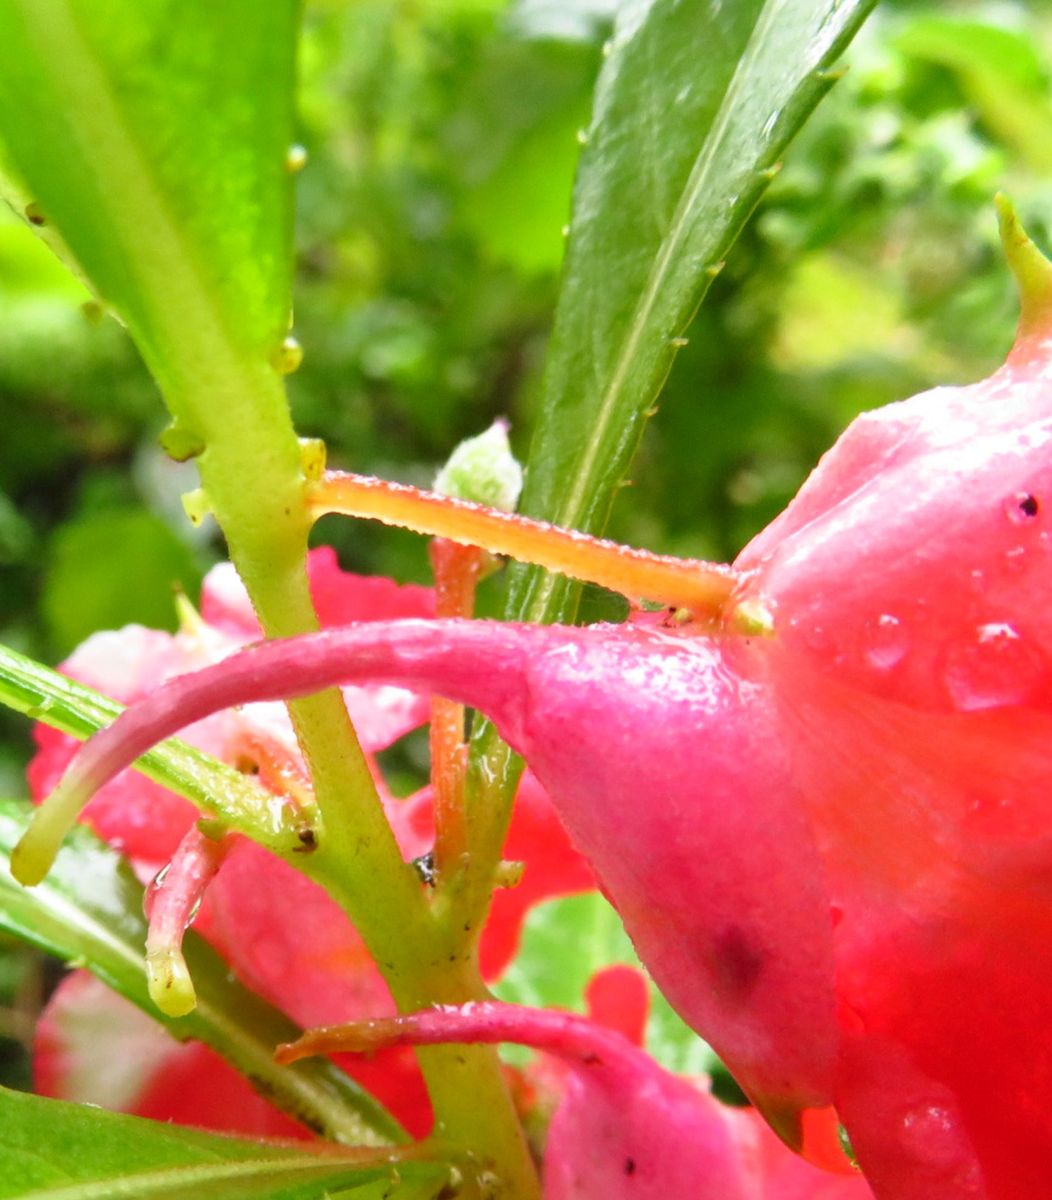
{"type": "Point", "coordinates": [172, 901]}
{"type": "Point", "coordinates": [576, 1039]}
{"type": "Point", "coordinates": [477, 662]}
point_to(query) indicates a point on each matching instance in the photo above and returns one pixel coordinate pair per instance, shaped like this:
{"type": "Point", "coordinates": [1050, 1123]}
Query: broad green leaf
{"type": "Point", "coordinates": [153, 134]}
{"type": "Point", "coordinates": [216, 788]}
{"type": "Point", "coordinates": [89, 911]}
{"type": "Point", "coordinates": [50, 1150]}
{"type": "Point", "coordinates": [696, 101]}
{"type": "Point", "coordinates": [564, 943]}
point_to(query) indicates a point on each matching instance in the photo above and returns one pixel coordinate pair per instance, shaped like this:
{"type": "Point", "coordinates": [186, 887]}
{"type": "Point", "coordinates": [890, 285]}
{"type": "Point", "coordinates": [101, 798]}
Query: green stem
{"type": "Point", "coordinates": [266, 521]}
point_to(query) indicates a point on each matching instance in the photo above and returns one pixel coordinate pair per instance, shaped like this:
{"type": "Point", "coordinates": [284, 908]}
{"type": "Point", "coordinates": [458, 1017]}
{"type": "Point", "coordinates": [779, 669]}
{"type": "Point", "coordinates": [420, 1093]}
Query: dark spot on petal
{"type": "Point", "coordinates": [1028, 505]}
{"type": "Point", "coordinates": [630, 1166]}
{"type": "Point", "coordinates": [737, 961]}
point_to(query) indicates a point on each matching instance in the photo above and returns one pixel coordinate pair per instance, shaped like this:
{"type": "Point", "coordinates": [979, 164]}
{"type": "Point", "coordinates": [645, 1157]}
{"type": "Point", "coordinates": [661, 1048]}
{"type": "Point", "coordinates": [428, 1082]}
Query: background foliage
{"type": "Point", "coordinates": [442, 138]}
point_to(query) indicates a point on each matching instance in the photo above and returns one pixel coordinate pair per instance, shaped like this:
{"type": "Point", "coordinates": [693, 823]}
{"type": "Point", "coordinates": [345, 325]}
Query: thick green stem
{"type": "Point", "coordinates": [266, 521]}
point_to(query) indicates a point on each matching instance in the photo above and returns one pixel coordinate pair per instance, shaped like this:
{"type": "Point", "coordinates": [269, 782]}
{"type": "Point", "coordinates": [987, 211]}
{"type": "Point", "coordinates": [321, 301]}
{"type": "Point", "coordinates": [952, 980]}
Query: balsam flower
{"type": "Point", "coordinates": [257, 908]}
{"type": "Point", "coordinates": [823, 816]}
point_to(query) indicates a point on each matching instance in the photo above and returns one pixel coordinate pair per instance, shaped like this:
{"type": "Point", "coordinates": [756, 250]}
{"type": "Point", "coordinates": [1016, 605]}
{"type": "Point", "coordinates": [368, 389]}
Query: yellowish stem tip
{"type": "Point", "coordinates": [35, 852]}
{"type": "Point", "coordinates": [168, 978]}
{"type": "Point", "coordinates": [1032, 270]}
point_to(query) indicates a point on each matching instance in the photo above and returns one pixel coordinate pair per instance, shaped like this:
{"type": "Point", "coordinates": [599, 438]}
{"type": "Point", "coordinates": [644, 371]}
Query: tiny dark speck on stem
{"type": "Point", "coordinates": [307, 840]}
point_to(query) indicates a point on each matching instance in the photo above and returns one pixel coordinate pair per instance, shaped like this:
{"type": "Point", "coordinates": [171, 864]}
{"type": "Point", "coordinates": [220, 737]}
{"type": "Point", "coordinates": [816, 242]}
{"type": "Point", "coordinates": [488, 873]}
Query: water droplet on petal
{"type": "Point", "coordinates": [155, 885]}
{"type": "Point", "coordinates": [1015, 559]}
{"type": "Point", "coordinates": [992, 668]}
{"type": "Point", "coordinates": [930, 1134]}
{"type": "Point", "coordinates": [816, 638]}
{"type": "Point", "coordinates": [886, 642]}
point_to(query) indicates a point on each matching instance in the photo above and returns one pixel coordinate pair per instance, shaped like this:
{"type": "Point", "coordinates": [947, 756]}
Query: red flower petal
{"type": "Point", "coordinates": [93, 1046]}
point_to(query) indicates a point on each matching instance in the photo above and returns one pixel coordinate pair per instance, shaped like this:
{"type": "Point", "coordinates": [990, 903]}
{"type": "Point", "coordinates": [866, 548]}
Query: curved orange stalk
{"type": "Point", "coordinates": [701, 587]}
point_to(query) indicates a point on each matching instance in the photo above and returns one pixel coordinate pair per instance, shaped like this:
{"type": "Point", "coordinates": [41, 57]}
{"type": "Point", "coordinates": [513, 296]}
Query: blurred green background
{"type": "Point", "coordinates": [441, 137]}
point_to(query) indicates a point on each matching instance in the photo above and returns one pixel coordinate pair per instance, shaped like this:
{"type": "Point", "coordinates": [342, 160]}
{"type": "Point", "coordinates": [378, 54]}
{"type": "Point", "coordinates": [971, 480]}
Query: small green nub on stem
{"type": "Point", "coordinates": [1032, 271]}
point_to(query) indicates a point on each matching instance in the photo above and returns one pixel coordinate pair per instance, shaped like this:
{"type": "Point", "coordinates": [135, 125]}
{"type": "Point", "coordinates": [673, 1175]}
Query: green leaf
{"type": "Point", "coordinates": [153, 134]}
{"type": "Point", "coordinates": [89, 911]}
{"type": "Point", "coordinates": [50, 1150]}
{"type": "Point", "coordinates": [515, 141]}
{"type": "Point", "coordinates": [695, 103]}
{"type": "Point", "coordinates": [1002, 73]}
{"type": "Point", "coordinates": [564, 943]}
{"type": "Point", "coordinates": [216, 788]}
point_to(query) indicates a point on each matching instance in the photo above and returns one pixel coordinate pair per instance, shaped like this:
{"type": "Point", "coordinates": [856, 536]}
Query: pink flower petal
{"type": "Point", "coordinates": [94, 1047]}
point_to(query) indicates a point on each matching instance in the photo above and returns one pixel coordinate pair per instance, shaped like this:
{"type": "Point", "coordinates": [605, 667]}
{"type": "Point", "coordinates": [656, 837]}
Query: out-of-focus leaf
{"type": "Point", "coordinates": [216, 788]}
{"type": "Point", "coordinates": [166, 127]}
{"type": "Point", "coordinates": [89, 910]}
{"type": "Point", "coordinates": [111, 569]}
{"type": "Point", "coordinates": [16, 534]}
{"type": "Point", "coordinates": [515, 133]}
{"type": "Point", "coordinates": [694, 105]}
{"type": "Point", "coordinates": [1002, 73]}
{"type": "Point", "coordinates": [570, 20]}
{"type": "Point", "coordinates": [50, 1150]}
{"type": "Point", "coordinates": [564, 943]}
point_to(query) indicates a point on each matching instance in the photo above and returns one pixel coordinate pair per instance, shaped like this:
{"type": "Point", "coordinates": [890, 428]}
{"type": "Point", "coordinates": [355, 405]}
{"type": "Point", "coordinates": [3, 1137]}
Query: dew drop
{"type": "Point", "coordinates": [816, 638]}
{"type": "Point", "coordinates": [155, 886]}
{"type": "Point", "coordinates": [1021, 508]}
{"type": "Point", "coordinates": [930, 1134]}
{"type": "Point", "coordinates": [886, 642]}
{"type": "Point", "coordinates": [287, 357]}
{"type": "Point", "coordinates": [295, 158]}
{"type": "Point", "coordinates": [582, 137]}
{"type": "Point", "coordinates": [992, 668]}
{"type": "Point", "coordinates": [1015, 559]}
